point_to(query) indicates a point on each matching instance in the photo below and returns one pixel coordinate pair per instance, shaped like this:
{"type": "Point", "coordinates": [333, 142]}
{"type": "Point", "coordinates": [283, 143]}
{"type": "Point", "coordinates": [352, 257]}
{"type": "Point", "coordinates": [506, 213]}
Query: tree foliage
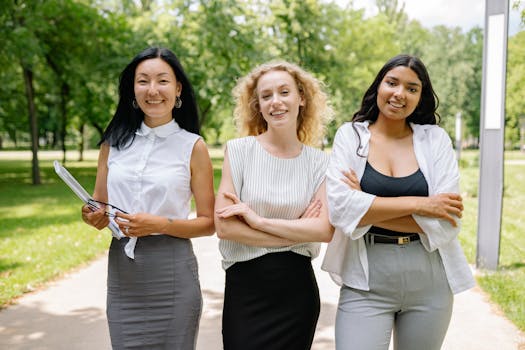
{"type": "Point", "coordinates": [61, 59]}
{"type": "Point", "coordinates": [515, 88]}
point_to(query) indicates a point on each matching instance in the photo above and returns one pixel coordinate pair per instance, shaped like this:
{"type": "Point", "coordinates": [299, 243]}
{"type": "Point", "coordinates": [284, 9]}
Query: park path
{"type": "Point", "coordinates": [70, 313]}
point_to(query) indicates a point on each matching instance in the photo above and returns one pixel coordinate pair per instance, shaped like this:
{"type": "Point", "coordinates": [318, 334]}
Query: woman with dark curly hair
{"type": "Point", "coordinates": [393, 197]}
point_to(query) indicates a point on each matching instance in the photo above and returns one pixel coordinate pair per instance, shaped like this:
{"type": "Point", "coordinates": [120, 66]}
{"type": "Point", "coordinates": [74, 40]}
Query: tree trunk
{"type": "Point", "coordinates": [55, 137]}
{"type": "Point", "coordinates": [33, 125]}
{"type": "Point", "coordinates": [64, 97]}
{"type": "Point", "coordinates": [81, 143]}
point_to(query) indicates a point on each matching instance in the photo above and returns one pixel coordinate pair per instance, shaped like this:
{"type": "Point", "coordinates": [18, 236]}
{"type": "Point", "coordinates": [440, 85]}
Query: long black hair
{"type": "Point", "coordinates": [426, 110]}
{"type": "Point", "coordinates": [121, 130]}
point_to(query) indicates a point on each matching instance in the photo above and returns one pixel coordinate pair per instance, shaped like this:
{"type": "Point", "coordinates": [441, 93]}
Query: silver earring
{"type": "Point", "coordinates": [135, 104]}
{"type": "Point", "coordinates": [178, 102]}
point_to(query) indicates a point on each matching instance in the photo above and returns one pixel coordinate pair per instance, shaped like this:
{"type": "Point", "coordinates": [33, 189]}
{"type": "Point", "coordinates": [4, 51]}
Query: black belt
{"type": "Point", "coordinates": [385, 239]}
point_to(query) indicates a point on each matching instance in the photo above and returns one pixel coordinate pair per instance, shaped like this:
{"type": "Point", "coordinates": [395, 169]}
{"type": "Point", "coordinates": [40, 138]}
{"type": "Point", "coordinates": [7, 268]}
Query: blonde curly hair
{"type": "Point", "coordinates": [313, 116]}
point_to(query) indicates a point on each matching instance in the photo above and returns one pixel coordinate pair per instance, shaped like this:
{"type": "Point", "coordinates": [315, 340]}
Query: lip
{"type": "Point", "coordinates": [396, 104]}
{"type": "Point", "coordinates": [154, 102]}
{"type": "Point", "coordinates": [277, 113]}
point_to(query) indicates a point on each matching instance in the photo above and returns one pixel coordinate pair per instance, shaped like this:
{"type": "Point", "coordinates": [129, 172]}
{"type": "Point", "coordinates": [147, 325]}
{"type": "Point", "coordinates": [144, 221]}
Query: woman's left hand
{"type": "Point", "coordinates": [351, 179]}
{"type": "Point", "coordinates": [240, 209]}
{"type": "Point", "coordinates": [137, 225]}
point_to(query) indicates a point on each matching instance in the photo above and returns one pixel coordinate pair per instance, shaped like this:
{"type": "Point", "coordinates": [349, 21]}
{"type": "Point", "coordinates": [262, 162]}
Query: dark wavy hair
{"type": "Point", "coordinates": [121, 130]}
{"type": "Point", "coordinates": [426, 110]}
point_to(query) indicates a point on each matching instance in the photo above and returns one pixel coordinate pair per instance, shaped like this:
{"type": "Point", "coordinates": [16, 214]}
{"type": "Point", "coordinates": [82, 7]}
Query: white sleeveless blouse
{"type": "Point", "coordinates": [153, 174]}
{"type": "Point", "coordinates": [274, 188]}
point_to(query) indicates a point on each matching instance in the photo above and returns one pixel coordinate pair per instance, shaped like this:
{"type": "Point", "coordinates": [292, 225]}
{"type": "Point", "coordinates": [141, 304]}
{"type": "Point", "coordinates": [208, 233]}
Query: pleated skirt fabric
{"type": "Point", "coordinates": [270, 303]}
{"type": "Point", "coordinates": [153, 301]}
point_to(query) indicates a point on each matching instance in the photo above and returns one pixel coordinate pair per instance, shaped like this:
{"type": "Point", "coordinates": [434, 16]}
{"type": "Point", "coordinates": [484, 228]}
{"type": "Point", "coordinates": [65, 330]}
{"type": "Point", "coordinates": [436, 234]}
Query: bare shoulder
{"type": "Point", "coordinates": [200, 151]}
{"type": "Point", "coordinates": [200, 146]}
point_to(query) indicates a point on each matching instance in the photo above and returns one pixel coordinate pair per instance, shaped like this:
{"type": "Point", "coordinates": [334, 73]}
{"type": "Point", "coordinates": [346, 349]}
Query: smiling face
{"type": "Point", "coordinates": [156, 88]}
{"type": "Point", "coordinates": [399, 93]}
{"type": "Point", "coordinates": [279, 99]}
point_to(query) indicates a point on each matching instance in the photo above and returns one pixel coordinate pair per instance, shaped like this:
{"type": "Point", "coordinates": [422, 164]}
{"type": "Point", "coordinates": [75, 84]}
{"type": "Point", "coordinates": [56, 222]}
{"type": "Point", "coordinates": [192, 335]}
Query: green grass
{"type": "Point", "coordinates": [506, 287]}
{"type": "Point", "coordinates": [42, 235]}
{"type": "Point", "coordinates": [511, 155]}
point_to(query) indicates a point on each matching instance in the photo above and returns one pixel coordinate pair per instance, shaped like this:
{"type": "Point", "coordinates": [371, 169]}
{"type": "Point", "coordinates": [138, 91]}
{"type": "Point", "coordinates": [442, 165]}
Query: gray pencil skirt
{"type": "Point", "coordinates": [153, 301]}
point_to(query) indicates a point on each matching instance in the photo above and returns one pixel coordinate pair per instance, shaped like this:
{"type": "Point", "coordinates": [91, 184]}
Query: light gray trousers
{"type": "Point", "coordinates": [409, 296]}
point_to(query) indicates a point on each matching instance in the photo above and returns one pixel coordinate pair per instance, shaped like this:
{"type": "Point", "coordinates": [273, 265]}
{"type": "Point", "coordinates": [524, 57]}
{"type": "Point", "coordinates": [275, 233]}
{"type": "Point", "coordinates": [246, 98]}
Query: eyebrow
{"type": "Point", "coordinates": [287, 85]}
{"type": "Point", "coordinates": [396, 79]}
{"type": "Point", "coordinates": [147, 75]}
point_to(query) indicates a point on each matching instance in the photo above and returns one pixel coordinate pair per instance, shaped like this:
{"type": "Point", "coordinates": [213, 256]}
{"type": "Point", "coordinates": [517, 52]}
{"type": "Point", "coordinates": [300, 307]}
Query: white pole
{"type": "Point", "coordinates": [492, 133]}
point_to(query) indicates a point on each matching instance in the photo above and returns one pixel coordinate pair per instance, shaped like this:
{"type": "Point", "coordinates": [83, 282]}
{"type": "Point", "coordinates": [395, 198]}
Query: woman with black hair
{"type": "Point", "coordinates": [151, 162]}
{"type": "Point", "coordinates": [392, 187]}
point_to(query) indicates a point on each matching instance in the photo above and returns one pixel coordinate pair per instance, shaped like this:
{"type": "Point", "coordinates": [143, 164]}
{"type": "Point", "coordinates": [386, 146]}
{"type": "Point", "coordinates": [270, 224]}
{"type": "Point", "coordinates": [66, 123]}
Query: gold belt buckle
{"type": "Point", "coordinates": [403, 240]}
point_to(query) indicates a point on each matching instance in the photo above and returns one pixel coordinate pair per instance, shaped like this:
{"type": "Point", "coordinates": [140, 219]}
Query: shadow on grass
{"type": "Point", "coordinates": [9, 266]}
{"type": "Point", "coordinates": [18, 172]}
{"type": "Point", "coordinates": [513, 266]}
{"type": "Point", "coordinates": [14, 227]}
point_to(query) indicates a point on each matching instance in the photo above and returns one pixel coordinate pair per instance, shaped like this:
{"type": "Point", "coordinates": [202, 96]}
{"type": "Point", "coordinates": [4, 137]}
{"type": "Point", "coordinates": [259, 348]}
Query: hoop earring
{"type": "Point", "coordinates": [134, 104]}
{"type": "Point", "coordinates": [178, 102]}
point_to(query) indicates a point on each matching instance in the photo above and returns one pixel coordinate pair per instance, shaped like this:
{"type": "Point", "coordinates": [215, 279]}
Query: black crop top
{"type": "Point", "coordinates": [374, 182]}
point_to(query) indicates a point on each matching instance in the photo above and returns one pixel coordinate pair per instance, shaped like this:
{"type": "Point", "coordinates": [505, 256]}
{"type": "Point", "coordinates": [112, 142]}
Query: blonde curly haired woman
{"type": "Point", "coordinates": [271, 210]}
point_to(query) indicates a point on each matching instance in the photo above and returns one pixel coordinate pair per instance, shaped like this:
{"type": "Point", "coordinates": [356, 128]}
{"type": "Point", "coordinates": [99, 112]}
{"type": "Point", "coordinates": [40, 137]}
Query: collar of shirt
{"type": "Point", "coordinates": [160, 131]}
{"type": "Point", "coordinates": [364, 133]}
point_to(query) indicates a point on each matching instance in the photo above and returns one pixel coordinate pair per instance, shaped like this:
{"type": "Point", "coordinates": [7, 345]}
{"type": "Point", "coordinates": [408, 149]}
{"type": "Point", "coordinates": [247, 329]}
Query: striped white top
{"type": "Point", "coordinates": [274, 188]}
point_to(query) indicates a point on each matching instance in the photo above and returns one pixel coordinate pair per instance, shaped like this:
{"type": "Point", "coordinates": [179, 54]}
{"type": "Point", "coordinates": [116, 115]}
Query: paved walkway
{"type": "Point", "coordinates": [70, 313]}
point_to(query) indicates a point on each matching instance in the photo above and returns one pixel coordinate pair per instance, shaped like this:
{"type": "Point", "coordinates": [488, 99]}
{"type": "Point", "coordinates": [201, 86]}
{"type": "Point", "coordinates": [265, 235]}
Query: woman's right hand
{"type": "Point", "coordinates": [441, 206]}
{"type": "Point", "coordinates": [97, 219]}
{"type": "Point", "coordinates": [313, 210]}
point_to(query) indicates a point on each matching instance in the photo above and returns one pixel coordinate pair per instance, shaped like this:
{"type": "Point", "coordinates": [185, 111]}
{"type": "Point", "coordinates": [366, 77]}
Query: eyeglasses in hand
{"type": "Point", "coordinates": [111, 210]}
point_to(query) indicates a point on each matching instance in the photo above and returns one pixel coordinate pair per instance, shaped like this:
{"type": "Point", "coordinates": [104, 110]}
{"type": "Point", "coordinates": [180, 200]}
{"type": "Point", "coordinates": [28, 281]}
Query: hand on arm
{"type": "Point", "coordinates": [395, 212]}
{"type": "Point", "coordinates": [312, 226]}
{"type": "Point", "coordinates": [441, 206]}
{"type": "Point", "coordinates": [350, 178]}
{"type": "Point", "coordinates": [248, 216]}
{"type": "Point", "coordinates": [143, 224]}
{"type": "Point", "coordinates": [313, 210]}
{"type": "Point", "coordinates": [233, 228]}
{"type": "Point", "coordinates": [240, 210]}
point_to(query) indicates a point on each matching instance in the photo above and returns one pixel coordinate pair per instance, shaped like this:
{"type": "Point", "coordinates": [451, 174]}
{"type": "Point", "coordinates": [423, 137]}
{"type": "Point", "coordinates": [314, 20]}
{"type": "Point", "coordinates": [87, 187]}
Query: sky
{"type": "Point", "coordinates": [451, 13]}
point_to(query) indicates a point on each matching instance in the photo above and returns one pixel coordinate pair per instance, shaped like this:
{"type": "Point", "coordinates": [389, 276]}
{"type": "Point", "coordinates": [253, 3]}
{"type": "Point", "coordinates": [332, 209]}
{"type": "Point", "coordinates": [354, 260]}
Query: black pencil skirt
{"type": "Point", "coordinates": [271, 302]}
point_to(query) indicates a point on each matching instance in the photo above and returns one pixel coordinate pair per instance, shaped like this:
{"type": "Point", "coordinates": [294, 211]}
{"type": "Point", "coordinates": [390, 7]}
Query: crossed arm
{"type": "Point", "coordinates": [236, 221]}
{"type": "Point", "coordinates": [395, 213]}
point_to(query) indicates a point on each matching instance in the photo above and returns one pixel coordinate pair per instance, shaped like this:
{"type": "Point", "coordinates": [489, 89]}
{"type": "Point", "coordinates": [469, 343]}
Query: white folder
{"type": "Point", "coordinates": [83, 195]}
